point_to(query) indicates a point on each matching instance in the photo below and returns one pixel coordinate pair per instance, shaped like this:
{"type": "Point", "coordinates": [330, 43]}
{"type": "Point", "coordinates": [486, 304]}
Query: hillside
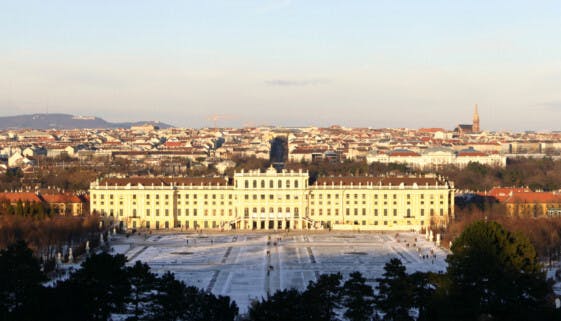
{"type": "Point", "coordinates": [66, 121]}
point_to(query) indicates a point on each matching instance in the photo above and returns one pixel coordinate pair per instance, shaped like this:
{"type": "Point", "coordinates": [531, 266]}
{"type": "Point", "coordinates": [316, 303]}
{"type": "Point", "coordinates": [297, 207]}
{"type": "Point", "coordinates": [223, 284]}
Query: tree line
{"type": "Point", "coordinates": [543, 232]}
{"type": "Point", "coordinates": [492, 274]}
{"type": "Point", "coordinates": [103, 287]}
{"type": "Point", "coordinates": [538, 174]}
{"type": "Point", "coordinates": [48, 236]}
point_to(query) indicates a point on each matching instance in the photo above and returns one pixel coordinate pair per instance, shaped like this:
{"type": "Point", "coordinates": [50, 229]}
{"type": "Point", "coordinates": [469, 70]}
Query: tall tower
{"type": "Point", "coordinates": [475, 126]}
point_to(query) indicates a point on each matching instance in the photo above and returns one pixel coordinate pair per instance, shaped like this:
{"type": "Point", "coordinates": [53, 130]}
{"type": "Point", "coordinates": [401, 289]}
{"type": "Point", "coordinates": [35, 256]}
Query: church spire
{"type": "Point", "coordinates": [475, 125]}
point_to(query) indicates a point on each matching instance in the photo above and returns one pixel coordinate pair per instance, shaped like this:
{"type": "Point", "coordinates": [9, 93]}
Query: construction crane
{"type": "Point", "coordinates": [218, 117]}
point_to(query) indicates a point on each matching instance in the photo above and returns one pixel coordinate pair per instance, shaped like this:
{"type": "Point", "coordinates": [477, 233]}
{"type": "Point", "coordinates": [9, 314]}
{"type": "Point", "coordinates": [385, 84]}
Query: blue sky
{"type": "Point", "coordinates": [393, 63]}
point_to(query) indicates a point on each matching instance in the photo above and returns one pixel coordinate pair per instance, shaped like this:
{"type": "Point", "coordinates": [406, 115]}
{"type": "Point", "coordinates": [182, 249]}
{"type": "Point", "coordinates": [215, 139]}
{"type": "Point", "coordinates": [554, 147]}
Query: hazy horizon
{"type": "Point", "coordinates": [379, 64]}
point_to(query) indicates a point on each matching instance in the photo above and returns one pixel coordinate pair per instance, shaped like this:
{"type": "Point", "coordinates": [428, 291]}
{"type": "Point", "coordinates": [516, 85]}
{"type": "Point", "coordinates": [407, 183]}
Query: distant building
{"type": "Point", "coordinates": [14, 197]}
{"type": "Point", "coordinates": [275, 201]}
{"type": "Point", "coordinates": [57, 203]}
{"type": "Point", "coordinates": [474, 128]}
{"type": "Point", "coordinates": [437, 157]}
{"type": "Point", "coordinates": [527, 203]}
{"type": "Point", "coordinates": [64, 203]}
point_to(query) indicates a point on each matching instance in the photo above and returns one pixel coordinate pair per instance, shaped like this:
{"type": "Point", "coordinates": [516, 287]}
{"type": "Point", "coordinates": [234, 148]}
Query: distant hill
{"type": "Point", "coordinates": [66, 121]}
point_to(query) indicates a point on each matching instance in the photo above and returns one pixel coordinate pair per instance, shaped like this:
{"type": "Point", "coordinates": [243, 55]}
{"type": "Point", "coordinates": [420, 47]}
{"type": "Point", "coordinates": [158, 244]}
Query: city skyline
{"type": "Point", "coordinates": [286, 63]}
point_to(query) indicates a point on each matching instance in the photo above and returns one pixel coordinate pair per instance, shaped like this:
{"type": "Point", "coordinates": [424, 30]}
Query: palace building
{"type": "Point", "coordinates": [274, 200]}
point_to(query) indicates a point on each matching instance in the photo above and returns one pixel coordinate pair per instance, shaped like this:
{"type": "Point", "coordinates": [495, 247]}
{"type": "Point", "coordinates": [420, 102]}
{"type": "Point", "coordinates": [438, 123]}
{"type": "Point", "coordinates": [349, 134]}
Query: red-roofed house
{"type": "Point", "coordinates": [501, 194]}
{"type": "Point", "coordinates": [14, 197]}
{"type": "Point", "coordinates": [533, 204]}
{"type": "Point", "coordinates": [64, 204]}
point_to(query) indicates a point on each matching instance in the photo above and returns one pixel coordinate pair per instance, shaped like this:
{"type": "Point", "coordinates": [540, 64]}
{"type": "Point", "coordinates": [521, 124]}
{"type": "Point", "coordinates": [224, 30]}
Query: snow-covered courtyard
{"type": "Point", "coordinates": [248, 266]}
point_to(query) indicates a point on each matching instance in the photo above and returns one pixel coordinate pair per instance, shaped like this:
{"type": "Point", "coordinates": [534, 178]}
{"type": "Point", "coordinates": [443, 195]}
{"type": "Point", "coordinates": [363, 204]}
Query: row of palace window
{"type": "Point", "coordinates": [363, 211]}
{"type": "Point", "coordinates": [376, 222]}
{"type": "Point", "coordinates": [188, 212]}
{"type": "Point", "coordinates": [271, 197]}
{"type": "Point", "coordinates": [263, 183]}
{"type": "Point", "coordinates": [166, 196]}
{"type": "Point", "coordinates": [262, 196]}
{"type": "Point", "coordinates": [166, 225]}
{"type": "Point", "coordinates": [215, 224]}
{"type": "Point", "coordinates": [271, 210]}
{"type": "Point", "coordinates": [222, 212]}
{"type": "Point", "coordinates": [364, 196]}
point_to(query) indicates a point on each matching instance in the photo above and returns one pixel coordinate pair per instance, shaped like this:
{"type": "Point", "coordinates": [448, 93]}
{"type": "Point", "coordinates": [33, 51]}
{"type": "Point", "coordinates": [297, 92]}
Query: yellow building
{"type": "Point", "coordinates": [275, 201]}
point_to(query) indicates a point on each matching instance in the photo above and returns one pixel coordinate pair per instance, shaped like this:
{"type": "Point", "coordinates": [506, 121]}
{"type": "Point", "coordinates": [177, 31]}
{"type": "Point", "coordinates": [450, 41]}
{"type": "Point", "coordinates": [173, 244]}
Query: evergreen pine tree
{"type": "Point", "coordinates": [322, 298]}
{"type": "Point", "coordinates": [142, 283]}
{"type": "Point", "coordinates": [394, 297]}
{"type": "Point", "coordinates": [283, 305]}
{"type": "Point", "coordinates": [20, 283]}
{"type": "Point", "coordinates": [495, 273]}
{"type": "Point", "coordinates": [358, 298]}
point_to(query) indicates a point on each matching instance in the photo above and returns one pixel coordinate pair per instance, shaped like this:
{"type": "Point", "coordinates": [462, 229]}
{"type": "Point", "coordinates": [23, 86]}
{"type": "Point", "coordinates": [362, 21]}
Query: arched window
{"type": "Point", "coordinates": [262, 183]}
{"type": "Point", "coordinates": [296, 183]}
{"type": "Point", "coordinates": [262, 210]}
{"type": "Point", "coordinates": [288, 209]}
{"type": "Point", "coordinates": [254, 184]}
{"type": "Point", "coordinates": [287, 183]}
{"type": "Point", "coordinates": [271, 184]}
{"type": "Point", "coordinates": [271, 210]}
{"type": "Point", "coordinates": [279, 184]}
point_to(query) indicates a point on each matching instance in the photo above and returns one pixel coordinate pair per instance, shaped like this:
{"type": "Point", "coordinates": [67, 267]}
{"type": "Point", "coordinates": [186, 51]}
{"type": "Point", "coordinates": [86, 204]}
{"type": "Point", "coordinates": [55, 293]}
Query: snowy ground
{"type": "Point", "coordinates": [248, 266]}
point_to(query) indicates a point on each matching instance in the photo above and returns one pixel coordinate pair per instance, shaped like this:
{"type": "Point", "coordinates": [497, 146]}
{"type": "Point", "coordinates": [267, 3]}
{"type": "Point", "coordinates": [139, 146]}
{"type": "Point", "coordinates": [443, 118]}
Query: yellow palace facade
{"type": "Point", "coordinates": [274, 200]}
